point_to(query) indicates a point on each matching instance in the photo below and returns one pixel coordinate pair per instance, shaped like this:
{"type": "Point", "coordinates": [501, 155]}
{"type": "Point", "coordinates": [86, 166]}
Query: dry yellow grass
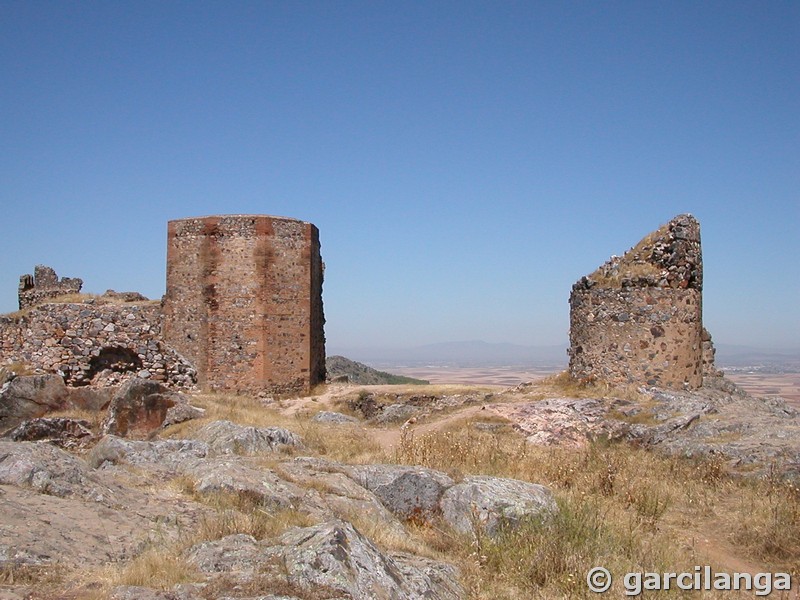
{"type": "Point", "coordinates": [620, 507]}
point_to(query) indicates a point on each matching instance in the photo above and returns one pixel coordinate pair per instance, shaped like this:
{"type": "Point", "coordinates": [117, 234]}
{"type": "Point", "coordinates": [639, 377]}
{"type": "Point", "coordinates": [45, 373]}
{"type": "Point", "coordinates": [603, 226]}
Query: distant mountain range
{"type": "Point", "coordinates": [477, 353]}
{"type": "Point", "coordinates": [473, 353]}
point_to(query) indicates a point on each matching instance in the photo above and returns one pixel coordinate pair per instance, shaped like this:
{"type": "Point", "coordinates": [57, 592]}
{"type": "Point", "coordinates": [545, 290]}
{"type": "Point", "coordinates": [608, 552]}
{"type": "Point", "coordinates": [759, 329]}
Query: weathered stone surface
{"type": "Point", "coordinates": [570, 422]}
{"type": "Point", "coordinates": [239, 553]}
{"type": "Point", "coordinates": [333, 417]}
{"type": "Point", "coordinates": [396, 413]}
{"type": "Point", "coordinates": [168, 456]}
{"type": "Point", "coordinates": [89, 397]}
{"type": "Point", "coordinates": [181, 412]}
{"type": "Point", "coordinates": [339, 495]}
{"type": "Point", "coordinates": [232, 475]}
{"type": "Point", "coordinates": [336, 556]}
{"type": "Point", "coordinates": [41, 529]}
{"type": "Point", "coordinates": [48, 470]}
{"type": "Point", "coordinates": [491, 503]}
{"type": "Point", "coordinates": [224, 437]}
{"type": "Point", "coordinates": [721, 420]}
{"type": "Point", "coordinates": [408, 492]}
{"type": "Point", "coordinates": [63, 432]}
{"type": "Point", "coordinates": [139, 406]}
{"type": "Point", "coordinates": [429, 578]}
{"type": "Point", "coordinates": [30, 396]}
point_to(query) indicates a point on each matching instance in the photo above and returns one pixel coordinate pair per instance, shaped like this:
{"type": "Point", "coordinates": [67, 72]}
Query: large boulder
{"type": "Point", "coordinates": [224, 437]}
{"type": "Point", "coordinates": [409, 492]}
{"type": "Point", "coordinates": [489, 504]}
{"type": "Point", "coordinates": [139, 406]}
{"type": "Point", "coordinates": [30, 396]}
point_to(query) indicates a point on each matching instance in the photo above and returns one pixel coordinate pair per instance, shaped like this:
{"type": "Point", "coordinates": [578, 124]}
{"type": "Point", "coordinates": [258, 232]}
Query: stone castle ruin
{"type": "Point", "coordinates": [243, 312]}
{"type": "Point", "coordinates": [638, 318]}
{"type": "Point", "coordinates": [244, 301]}
{"type": "Point", "coordinates": [43, 285]}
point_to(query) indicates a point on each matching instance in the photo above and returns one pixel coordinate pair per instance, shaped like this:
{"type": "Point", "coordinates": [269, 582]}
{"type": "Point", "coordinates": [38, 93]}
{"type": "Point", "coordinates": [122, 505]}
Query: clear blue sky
{"type": "Point", "coordinates": [465, 162]}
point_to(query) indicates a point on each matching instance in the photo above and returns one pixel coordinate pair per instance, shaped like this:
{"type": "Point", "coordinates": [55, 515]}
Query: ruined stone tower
{"type": "Point", "coordinates": [244, 301]}
{"type": "Point", "coordinates": [638, 318]}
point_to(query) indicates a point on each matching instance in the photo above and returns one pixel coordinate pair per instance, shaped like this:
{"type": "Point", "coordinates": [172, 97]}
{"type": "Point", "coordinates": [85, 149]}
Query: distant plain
{"type": "Point", "coordinates": [785, 385]}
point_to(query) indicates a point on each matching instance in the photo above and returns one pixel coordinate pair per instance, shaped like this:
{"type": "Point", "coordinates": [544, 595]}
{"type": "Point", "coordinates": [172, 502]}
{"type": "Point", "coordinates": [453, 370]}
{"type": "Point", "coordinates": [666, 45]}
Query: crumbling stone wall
{"type": "Point", "coordinates": [94, 343]}
{"type": "Point", "coordinates": [43, 285]}
{"type": "Point", "coordinates": [244, 301]}
{"type": "Point", "coordinates": [638, 318]}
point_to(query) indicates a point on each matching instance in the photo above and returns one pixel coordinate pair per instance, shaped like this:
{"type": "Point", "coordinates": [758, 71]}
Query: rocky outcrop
{"type": "Point", "coordinates": [224, 437]}
{"type": "Point", "coordinates": [408, 492]}
{"type": "Point", "coordinates": [334, 555]}
{"type": "Point", "coordinates": [48, 470]}
{"type": "Point", "coordinates": [30, 396]}
{"type": "Point", "coordinates": [166, 457]}
{"type": "Point", "coordinates": [232, 476]}
{"type": "Point", "coordinates": [139, 406]}
{"type": "Point", "coordinates": [490, 504]}
{"type": "Point", "coordinates": [325, 416]}
{"type": "Point", "coordinates": [567, 422]}
{"type": "Point", "coordinates": [63, 432]}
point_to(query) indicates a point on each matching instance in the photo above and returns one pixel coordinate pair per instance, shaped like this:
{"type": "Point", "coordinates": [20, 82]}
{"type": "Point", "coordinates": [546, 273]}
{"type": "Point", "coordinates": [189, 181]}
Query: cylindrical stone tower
{"type": "Point", "coordinates": [638, 319]}
{"type": "Point", "coordinates": [244, 302]}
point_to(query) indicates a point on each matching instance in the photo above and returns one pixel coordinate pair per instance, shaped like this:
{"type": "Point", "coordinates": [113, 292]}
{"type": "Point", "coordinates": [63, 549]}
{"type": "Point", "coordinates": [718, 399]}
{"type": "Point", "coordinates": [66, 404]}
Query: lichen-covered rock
{"type": "Point", "coordinates": [326, 416]}
{"type": "Point", "coordinates": [396, 413]}
{"type": "Point", "coordinates": [239, 553]}
{"type": "Point", "coordinates": [232, 475]}
{"type": "Point", "coordinates": [139, 406]}
{"type": "Point", "coordinates": [491, 503]}
{"type": "Point", "coordinates": [336, 556]}
{"type": "Point", "coordinates": [48, 470]}
{"type": "Point", "coordinates": [566, 422]}
{"type": "Point", "coordinates": [136, 592]}
{"type": "Point", "coordinates": [67, 433]}
{"type": "Point", "coordinates": [167, 456]}
{"type": "Point", "coordinates": [429, 578]}
{"type": "Point", "coordinates": [409, 492]}
{"type": "Point", "coordinates": [224, 437]}
{"type": "Point", "coordinates": [339, 495]}
{"type": "Point", "coordinates": [30, 396]}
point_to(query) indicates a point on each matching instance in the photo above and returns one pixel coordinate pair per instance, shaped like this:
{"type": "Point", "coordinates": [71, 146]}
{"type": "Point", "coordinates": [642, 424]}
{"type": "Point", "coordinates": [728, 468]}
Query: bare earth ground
{"type": "Point", "coordinates": [785, 385]}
